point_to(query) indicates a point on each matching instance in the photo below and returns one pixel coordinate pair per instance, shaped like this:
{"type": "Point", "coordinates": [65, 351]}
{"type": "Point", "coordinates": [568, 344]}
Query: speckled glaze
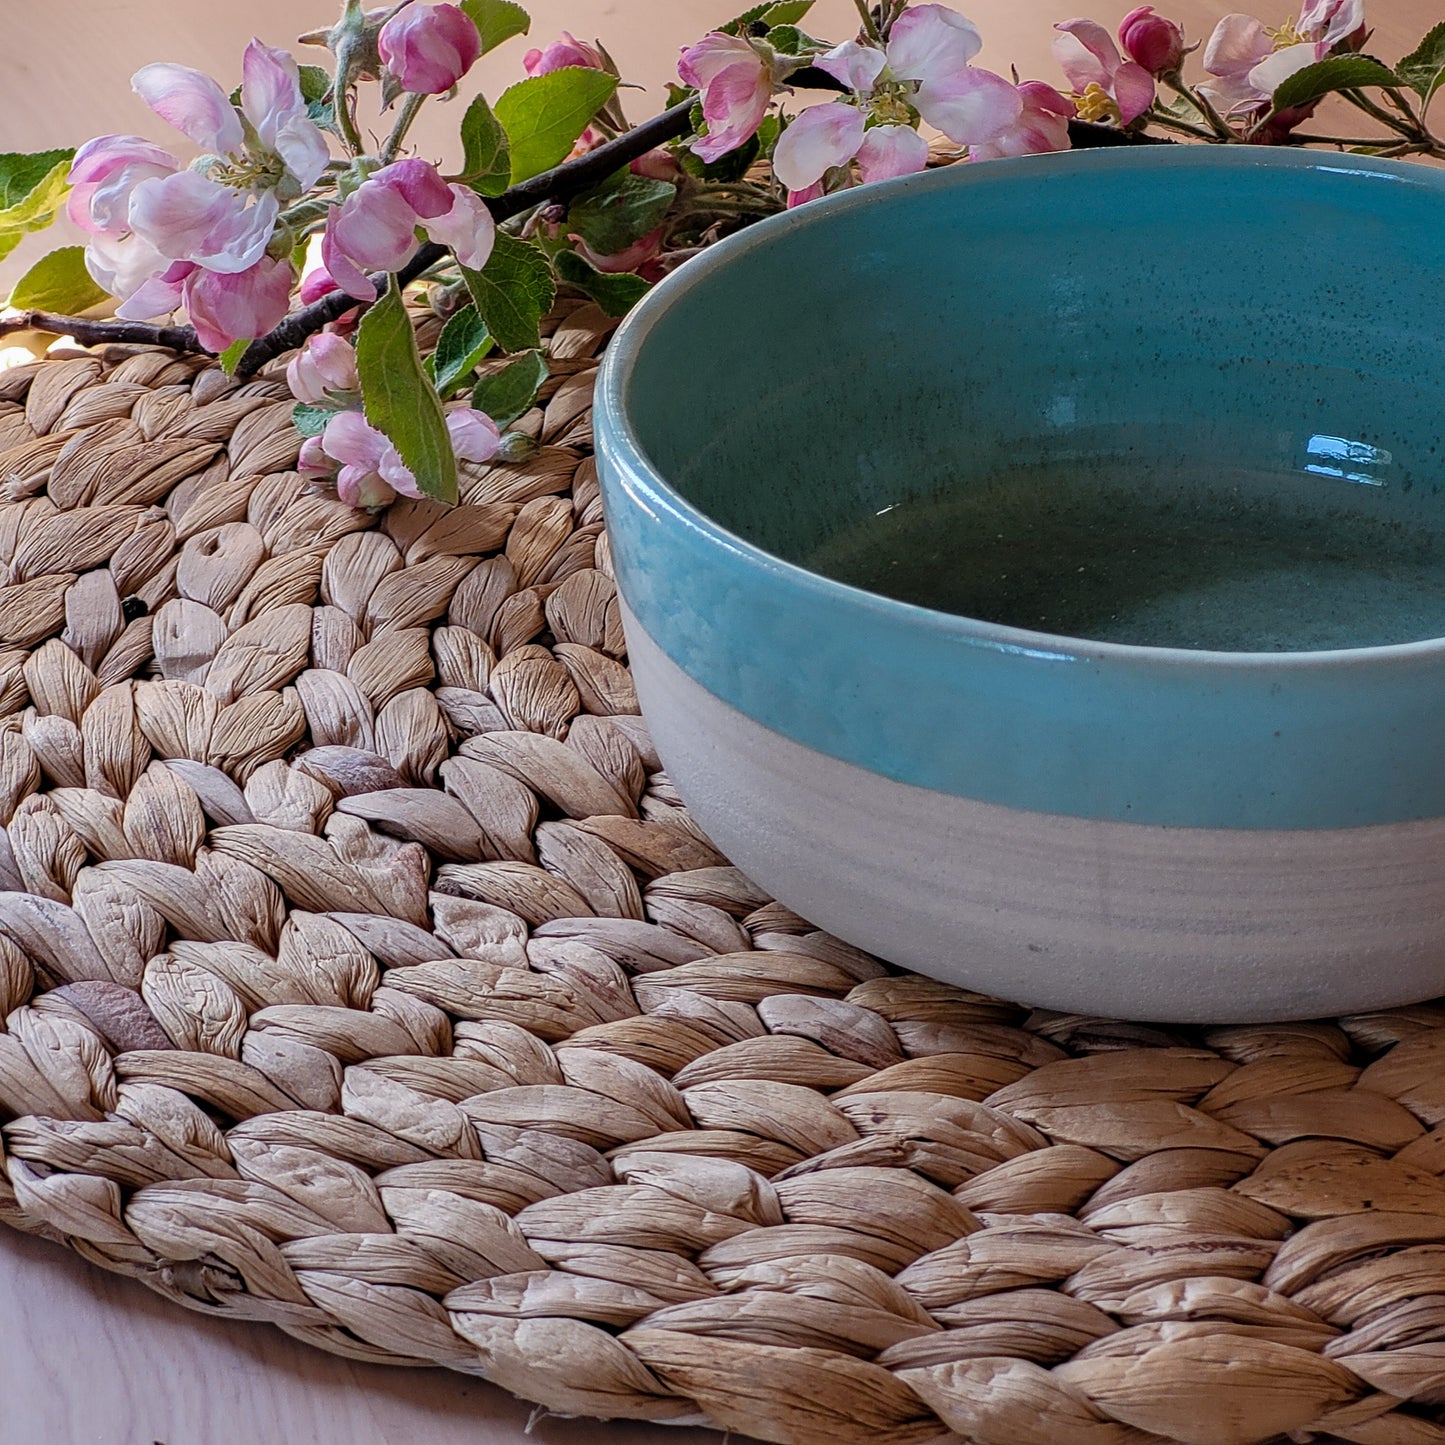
{"type": "Point", "coordinates": [1199, 307]}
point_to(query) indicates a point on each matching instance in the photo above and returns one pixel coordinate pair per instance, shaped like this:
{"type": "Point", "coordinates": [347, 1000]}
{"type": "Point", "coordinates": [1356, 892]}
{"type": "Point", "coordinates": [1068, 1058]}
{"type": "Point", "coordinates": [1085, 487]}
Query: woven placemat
{"type": "Point", "coordinates": [362, 973]}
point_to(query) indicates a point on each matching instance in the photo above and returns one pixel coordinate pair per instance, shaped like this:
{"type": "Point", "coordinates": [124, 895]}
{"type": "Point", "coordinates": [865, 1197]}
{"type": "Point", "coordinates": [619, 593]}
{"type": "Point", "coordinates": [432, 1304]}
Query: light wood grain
{"type": "Point", "coordinates": [90, 1359]}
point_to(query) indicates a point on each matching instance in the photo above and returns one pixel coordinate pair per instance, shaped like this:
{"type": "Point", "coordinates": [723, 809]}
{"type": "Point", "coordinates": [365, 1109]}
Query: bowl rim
{"type": "Point", "coordinates": [643, 479]}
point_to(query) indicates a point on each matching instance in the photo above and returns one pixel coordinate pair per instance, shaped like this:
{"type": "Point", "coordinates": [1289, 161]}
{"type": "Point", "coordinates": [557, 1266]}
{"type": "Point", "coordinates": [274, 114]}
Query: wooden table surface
{"type": "Point", "coordinates": [90, 1359]}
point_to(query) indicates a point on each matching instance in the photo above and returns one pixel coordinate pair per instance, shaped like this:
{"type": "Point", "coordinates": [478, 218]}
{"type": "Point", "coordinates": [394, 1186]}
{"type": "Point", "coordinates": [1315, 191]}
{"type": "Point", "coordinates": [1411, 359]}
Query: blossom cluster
{"type": "Point", "coordinates": [363, 463]}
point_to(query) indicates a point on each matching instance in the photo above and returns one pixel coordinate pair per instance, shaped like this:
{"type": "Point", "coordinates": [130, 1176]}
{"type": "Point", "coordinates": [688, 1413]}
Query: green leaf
{"type": "Point", "coordinates": [510, 392]}
{"type": "Point", "coordinates": [487, 154]}
{"type": "Point", "coordinates": [624, 208]}
{"type": "Point", "coordinates": [726, 168]}
{"type": "Point", "coordinates": [58, 282]}
{"type": "Point", "coordinates": [496, 20]}
{"type": "Point", "coordinates": [310, 421]}
{"type": "Point", "coordinates": [31, 190]}
{"type": "Point", "coordinates": [789, 40]}
{"type": "Point", "coordinates": [769, 13]}
{"type": "Point", "coordinates": [399, 400]}
{"type": "Point", "coordinates": [545, 114]}
{"type": "Point", "coordinates": [231, 356]}
{"type": "Point", "coordinates": [513, 291]}
{"type": "Point", "coordinates": [1423, 69]}
{"type": "Point", "coordinates": [616, 295]}
{"type": "Point", "coordinates": [463, 342]}
{"type": "Point", "coordinates": [1336, 72]}
{"type": "Point", "coordinates": [315, 87]}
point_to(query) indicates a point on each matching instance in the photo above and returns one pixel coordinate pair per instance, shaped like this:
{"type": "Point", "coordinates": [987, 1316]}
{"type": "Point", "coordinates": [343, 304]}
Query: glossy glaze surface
{"type": "Point", "coordinates": [1004, 316]}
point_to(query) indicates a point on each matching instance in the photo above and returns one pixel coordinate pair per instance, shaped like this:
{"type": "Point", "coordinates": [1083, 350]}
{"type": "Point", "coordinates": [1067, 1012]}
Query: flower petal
{"type": "Point", "coordinates": [733, 105]}
{"type": "Point", "coordinates": [891, 150]}
{"type": "Point", "coordinates": [351, 440]}
{"type": "Point", "coordinates": [701, 63]}
{"type": "Point", "coordinates": [822, 137]}
{"type": "Point", "coordinates": [467, 227]}
{"type": "Point", "coordinates": [238, 306]}
{"type": "Point", "coordinates": [420, 183]}
{"type": "Point", "coordinates": [928, 43]}
{"type": "Point", "coordinates": [972, 106]}
{"type": "Point", "coordinates": [1236, 45]}
{"type": "Point", "coordinates": [1086, 53]}
{"type": "Point", "coordinates": [189, 217]}
{"type": "Point", "coordinates": [854, 65]}
{"type": "Point", "coordinates": [1274, 70]}
{"type": "Point", "coordinates": [1134, 89]}
{"type": "Point", "coordinates": [342, 270]}
{"type": "Point", "coordinates": [475, 437]}
{"type": "Point", "coordinates": [192, 102]}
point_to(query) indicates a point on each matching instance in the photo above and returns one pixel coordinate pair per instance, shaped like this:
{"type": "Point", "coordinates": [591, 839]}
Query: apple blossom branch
{"type": "Point", "coordinates": [562, 182]}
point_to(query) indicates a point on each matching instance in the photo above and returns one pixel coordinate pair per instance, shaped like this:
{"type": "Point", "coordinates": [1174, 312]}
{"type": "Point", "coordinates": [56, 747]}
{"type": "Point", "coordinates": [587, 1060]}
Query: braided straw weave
{"type": "Point", "coordinates": [360, 972]}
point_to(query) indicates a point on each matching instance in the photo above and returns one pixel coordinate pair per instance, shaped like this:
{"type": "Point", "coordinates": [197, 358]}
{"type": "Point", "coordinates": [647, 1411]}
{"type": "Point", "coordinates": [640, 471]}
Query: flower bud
{"type": "Point", "coordinates": [325, 365]}
{"type": "Point", "coordinates": [1152, 41]}
{"type": "Point", "coordinates": [428, 48]}
{"type": "Point", "coordinates": [560, 54]}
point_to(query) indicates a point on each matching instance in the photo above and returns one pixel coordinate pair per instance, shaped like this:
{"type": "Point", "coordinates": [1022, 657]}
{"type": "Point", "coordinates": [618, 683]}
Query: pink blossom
{"type": "Point", "coordinates": [428, 48]}
{"type": "Point", "coordinates": [1238, 44]}
{"type": "Point", "coordinates": [736, 86]}
{"type": "Point", "coordinates": [1042, 126]}
{"type": "Point", "coordinates": [931, 48]}
{"type": "Point", "coordinates": [1333, 22]}
{"type": "Point", "coordinates": [104, 173]}
{"type": "Point", "coordinates": [820, 138]}
{"type": "Point", "coordinates": [815, 192]}
{"type": "Point", "coordinates": [231, 306]}
{"type": "Point", "coordinates": [324, 368]}
{"type": "Point", "coordinates": [1154, 42]}
{"type": "Point", "coordinates": [372, 472]}
{"type": "Point", "coordinates": [1104, 82]}
{"type": "Point", "coordinates": [362, 450]}
{"type": "Point", "coordinates": [891, 150]}
{"type": "Point", "coordinates": [629, 259]}
{"type": "Point", "coordinates": [373, 229]}
{"type": "Point", "coordinates": [568, 51]}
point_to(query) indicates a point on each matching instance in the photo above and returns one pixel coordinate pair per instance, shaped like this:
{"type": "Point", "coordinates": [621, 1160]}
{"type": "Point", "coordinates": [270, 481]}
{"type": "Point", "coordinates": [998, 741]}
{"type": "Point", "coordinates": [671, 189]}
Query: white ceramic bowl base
{"type": "Point", "coordinates": [1073, 914]}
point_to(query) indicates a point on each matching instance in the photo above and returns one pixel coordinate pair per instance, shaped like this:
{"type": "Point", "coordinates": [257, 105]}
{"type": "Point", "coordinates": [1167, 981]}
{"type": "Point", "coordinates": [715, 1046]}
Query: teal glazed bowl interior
{"type": "Point", "coordinates": [1034, 572]}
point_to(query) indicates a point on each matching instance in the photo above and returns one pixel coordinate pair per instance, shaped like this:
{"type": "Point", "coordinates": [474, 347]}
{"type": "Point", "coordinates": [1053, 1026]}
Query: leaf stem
{"type": "Point", "coordinates": [1203, 105]}
{"type": "Point", "coordinates": [870, 27]}
{"type": "Point", "coordinates": [1362, 102]}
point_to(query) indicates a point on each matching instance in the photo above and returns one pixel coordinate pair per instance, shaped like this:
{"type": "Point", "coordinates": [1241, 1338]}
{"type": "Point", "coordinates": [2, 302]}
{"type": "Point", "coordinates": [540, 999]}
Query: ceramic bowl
{"type": "Point", "coordinates": [1249, 829]}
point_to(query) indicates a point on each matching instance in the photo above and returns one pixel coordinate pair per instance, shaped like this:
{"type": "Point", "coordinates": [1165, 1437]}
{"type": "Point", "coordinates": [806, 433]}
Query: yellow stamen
{"type": "Point", "coordinates": [1096, 104]}
{"type": "Point", "coordinates": [1286, 35]}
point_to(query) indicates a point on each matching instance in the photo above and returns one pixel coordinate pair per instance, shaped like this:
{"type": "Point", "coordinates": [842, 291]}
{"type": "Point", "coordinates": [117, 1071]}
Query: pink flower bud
{"type": "Point", "coordinates": [1152, 41]}
{"type": "Point", "coordinates": [617, 262]}
{"type": "Point", "coordinates": [560, 54]}
{"type": "Point", "coordinates": [313, 461]}
{"type": "Point", "coordinates": [428, 48]}
{"type": "Point", "coordinates": [474, 434]}
{"type": "Point", "coordinates": [325, 366]}
{"type": "Point", "coordinates": [657, 165]}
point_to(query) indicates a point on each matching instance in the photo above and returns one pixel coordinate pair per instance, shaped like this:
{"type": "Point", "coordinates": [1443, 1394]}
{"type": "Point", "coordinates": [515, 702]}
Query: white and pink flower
{"type": "Point", "coordinates": [1248, 62]}
{"type": "Point", "coordinates": [1106, 85]}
